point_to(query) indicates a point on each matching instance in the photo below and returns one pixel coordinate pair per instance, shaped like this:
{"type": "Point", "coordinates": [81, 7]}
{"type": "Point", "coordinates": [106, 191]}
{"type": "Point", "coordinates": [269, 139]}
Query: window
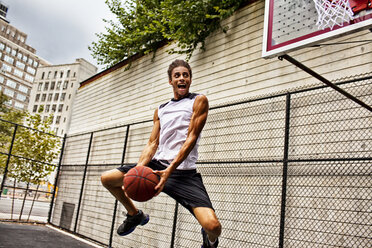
{"type": "Point", "coordinates": [64, 120]}
{"type": "Point", "coordinates": [43, 75]}
{"type": "Point", "coordinates": [43, 97]}
{"type": "Point", "coordinates": [52, 85]}
{"type": "Point", "coordinates": [30, 70]}
{"type": "Point", "coordinates": [19, 55]}
{"type": "Point", "coordinates": [66, 108]}
{"type": "Point", "coordinates": [1, 79]}
{"type": "Point", "coordinates": [49, 74]}
{"type": "Point", "coordinates": [74, 74]}
{"type": "Point", "coordinates": [18, 73]}
{"type": "Point", "coordinates": [41, 108]}
{"type": "Point", "coordinates": [36, 64]}
{"type": "Point", "coordinates": [23, 89]}
{"type": "Point", "coordinates": [9, 92]}
{"type": "Point", "coordinates": [55, 74]}
{"type": "Point", "coordinates": [50, 96]}
{"type": "Point", "coordinates": [14, 52]}
{"type": "Point", "coordinates": [24, 58]}
{"type": "Point", "coordinates": [11, 83]}
{"type": "Point", "coordinates": [46, 86]}
{"type": "Point", "coordinates": [72, 85]}
{"type": "Point", "coordinates": [21, 97]}
{"type": "Point", "coordinates": [19, 105]}
{"type": "Point", "coordinates": [58, 119]}
{"type": "Point", "coordinates": [47, 107]}
{"type": "Point", "coordinates": [39, 86]}
{"type": "Point", "coordinates": [60, 108]}
{"type": "Point", "coordinates": [56, 96]}
{"type": "Point", "coordinates": [65, 84]}
{"type": "Point", "coordinates": [34, 109]}
{"type": "Point", "coordinates": [30, 61]}
{"type": "Point", "coordinates": [54, 107]}
{"type": "Point", "coordinates": [37, 97]}
{"type": "Point", "coordinates": [2, 46]}
{"type": "Point", "coordinates": [29, 78]}
{"type": "Point", "coordinates": [63, 95]}
{"type": "Point", "coordinates": [68, 73]}
{"type": "Point", "coordinates": [69, 96]}
{"type": "Point", "coordinates": [20, 65]}
{"type": "Point", "coordinates": [8, 59]}
{"type": "Point", "coordinates": [7, 49]}
{"type": "Point", "coordinates": [59, 85]}
{"type": "Point", "coordinates": [6, 67]}
{"type": "Point", "coordinates": [61, 74]}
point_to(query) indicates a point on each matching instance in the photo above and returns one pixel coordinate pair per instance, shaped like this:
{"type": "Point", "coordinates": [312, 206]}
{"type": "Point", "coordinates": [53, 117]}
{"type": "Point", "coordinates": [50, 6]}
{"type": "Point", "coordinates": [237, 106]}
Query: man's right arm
{"type": "Point", "coordinates": [152, 145]}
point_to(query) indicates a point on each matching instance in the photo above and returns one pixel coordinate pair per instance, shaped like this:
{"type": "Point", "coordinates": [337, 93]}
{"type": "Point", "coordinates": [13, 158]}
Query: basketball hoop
{"type": "Point", "coordinates": [332, 13]}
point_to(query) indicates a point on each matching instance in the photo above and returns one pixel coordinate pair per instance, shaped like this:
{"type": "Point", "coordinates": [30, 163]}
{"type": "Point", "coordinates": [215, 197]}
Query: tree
{"type": "Point", "coordinates": [35, 148]}
{"type": "Point", "coordinates": [6, 128]}
{"type": "Point", "coordinates": [144, 25]}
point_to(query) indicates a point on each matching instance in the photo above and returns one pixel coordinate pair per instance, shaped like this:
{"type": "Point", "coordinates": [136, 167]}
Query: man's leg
{"type": "Point", "coordinates": [208, 220]}
{"type": "Point", "coordinates": [112, 180]}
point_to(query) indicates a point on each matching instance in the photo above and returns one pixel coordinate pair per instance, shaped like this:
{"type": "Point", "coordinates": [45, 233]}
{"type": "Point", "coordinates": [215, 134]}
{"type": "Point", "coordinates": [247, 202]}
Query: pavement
{"type": "Point", "coordinates": [22, 235]}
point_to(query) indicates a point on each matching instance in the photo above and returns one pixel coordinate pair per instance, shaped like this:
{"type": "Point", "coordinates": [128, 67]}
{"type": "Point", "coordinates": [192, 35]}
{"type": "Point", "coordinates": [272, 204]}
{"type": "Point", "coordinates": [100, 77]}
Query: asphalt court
{"type": "Point", "coordinates": [14, 235]}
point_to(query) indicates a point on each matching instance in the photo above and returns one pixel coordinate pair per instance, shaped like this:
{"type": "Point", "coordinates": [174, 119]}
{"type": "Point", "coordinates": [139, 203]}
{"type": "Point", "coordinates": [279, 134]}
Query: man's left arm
{"type": "Point", "coordinates": [197, 122]}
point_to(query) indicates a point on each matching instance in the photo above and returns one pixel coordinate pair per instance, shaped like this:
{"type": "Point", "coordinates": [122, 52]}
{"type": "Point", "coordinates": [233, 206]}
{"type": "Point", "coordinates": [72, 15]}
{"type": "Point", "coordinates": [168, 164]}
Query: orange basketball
{"type": "Point", "coordinates": [140, 182]}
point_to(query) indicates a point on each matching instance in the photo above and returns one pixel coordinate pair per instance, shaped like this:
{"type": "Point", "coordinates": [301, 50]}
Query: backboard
{"type": "Point", "coordinates": [291, 25]}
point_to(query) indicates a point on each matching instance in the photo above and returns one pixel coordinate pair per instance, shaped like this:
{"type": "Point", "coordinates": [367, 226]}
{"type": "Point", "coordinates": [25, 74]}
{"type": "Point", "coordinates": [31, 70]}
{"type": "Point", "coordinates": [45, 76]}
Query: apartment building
{"type": "Point", "coordinates": [54, 91]}
{"type": "Point", "coordinates": [18, 63]}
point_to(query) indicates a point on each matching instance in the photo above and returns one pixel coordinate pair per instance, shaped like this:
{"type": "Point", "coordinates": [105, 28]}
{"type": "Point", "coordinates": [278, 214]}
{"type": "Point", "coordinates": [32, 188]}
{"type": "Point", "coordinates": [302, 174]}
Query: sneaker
{"type": "Point", "coordinates": [131, 222]}
{"type": "Point", "coordinates": [206, 243]}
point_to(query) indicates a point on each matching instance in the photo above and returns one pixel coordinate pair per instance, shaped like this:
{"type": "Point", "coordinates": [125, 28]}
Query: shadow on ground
{"type": "Point", "coordinates": [14, 235]}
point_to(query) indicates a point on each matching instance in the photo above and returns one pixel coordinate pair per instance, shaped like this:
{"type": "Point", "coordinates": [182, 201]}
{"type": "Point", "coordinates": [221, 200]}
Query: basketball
{"type": "Point", "coordinates": [140, 182]}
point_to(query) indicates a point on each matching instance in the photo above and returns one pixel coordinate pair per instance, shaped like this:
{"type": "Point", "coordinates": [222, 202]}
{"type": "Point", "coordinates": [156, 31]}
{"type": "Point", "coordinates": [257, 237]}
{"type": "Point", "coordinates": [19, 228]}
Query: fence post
{"type": "Point", "coordinates": [8, 160]}
{"type": "Point", "coordinates": [285, 171]}
{"type": "Point", "coordinates": [116, 201]}
{"type": "Point", "coordinates": [83, 182]}
{"type": "Point", "coordinates": [56, 178]}
{"type": "Point", "coordinates": [174, 225]}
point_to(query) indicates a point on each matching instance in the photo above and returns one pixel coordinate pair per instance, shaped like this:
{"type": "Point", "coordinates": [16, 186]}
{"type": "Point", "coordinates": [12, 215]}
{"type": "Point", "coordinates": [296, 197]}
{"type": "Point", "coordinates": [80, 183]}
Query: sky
{"type": "Point", "coordinates": [60, 30]}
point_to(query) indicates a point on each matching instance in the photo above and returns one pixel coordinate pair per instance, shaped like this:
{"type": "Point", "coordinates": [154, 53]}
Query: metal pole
{"type": "Point", "coordinates": [324, 80]}
{"type": "Point", "coordinates": [8, 160]}
{"type": "Point", "coordinates": [83, 182]}
{"type": "Point", "coordinates": [116, 201]}
{"type": "Point", "coordinates": [174, 225]}
{"type": "Point", "coordinates": [285, 172]}
{"type": "Point", "coordinates": [56, 178]}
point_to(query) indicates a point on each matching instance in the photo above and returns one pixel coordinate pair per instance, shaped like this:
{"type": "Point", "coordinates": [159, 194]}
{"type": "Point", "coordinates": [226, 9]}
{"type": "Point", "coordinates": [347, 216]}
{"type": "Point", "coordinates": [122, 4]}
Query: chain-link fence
{"type": "Point", "coordinates": [26, 190]}
{"type": "Point", "coordinates": [290, 170]}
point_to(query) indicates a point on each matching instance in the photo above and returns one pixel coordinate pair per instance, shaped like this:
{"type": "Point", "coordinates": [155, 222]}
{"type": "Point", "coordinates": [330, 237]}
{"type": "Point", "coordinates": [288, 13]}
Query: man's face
{"type": "Point", "coordinates": [180, 82]}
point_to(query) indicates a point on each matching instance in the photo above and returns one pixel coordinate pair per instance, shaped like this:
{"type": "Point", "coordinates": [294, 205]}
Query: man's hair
{"type": "Point", "coordinates": [177, 63]}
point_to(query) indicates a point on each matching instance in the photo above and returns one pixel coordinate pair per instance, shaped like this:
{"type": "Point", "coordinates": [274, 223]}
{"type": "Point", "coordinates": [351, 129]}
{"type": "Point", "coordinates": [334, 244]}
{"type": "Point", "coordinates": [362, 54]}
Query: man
{"type": "Point", "coordinates": [172, 151]}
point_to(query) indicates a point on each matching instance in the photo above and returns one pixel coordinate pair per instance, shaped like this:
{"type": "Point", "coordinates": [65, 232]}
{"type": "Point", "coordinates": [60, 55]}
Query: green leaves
{"type": "Point", "coordinates": [143, 25]}
{"type": "Point", "coordinates": [36, 144]}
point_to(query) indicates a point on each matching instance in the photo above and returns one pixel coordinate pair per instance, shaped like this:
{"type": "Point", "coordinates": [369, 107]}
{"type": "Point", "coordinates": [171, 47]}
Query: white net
{"type": "Point", "coordinates": [332, 12]}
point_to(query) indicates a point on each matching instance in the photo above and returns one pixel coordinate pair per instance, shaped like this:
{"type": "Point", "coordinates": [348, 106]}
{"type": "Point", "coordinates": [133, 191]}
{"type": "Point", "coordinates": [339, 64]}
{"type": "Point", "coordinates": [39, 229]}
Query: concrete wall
{"type": "Point", "coordinates": [231, 68]}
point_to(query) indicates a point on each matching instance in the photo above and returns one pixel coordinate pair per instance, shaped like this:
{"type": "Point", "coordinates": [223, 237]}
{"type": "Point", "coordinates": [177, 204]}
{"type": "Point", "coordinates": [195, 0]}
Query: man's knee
{"type": "Point", "coordinates": [105, 179]}
{"type": "Point", "coordinates": [213, 226]}
{"type": "Point", "coordinates": [110, 178]}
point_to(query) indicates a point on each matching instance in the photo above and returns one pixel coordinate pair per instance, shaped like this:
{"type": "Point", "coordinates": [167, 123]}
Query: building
{"type": "Point", "coordinates": [54, 91]}
{"type": "Point", "coordinates": [3, 11]}
{"type": "Point", "coordinates": [18, 63]}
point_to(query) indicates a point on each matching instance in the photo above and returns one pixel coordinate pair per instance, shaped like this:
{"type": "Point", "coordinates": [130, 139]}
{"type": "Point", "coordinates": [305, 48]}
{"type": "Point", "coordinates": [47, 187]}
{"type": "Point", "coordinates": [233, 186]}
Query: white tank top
{"type": "Point", "coordinates": [175, 117]}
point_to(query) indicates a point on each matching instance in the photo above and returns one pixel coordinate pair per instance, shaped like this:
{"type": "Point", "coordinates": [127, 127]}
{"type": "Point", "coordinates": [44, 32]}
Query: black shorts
{"type": "Point", "coordinates": [185, 186]}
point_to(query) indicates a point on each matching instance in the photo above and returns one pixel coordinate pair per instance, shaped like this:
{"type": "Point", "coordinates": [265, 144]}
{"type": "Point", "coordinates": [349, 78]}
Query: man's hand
{"type": "Point", "coordinates": [164, 174]}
